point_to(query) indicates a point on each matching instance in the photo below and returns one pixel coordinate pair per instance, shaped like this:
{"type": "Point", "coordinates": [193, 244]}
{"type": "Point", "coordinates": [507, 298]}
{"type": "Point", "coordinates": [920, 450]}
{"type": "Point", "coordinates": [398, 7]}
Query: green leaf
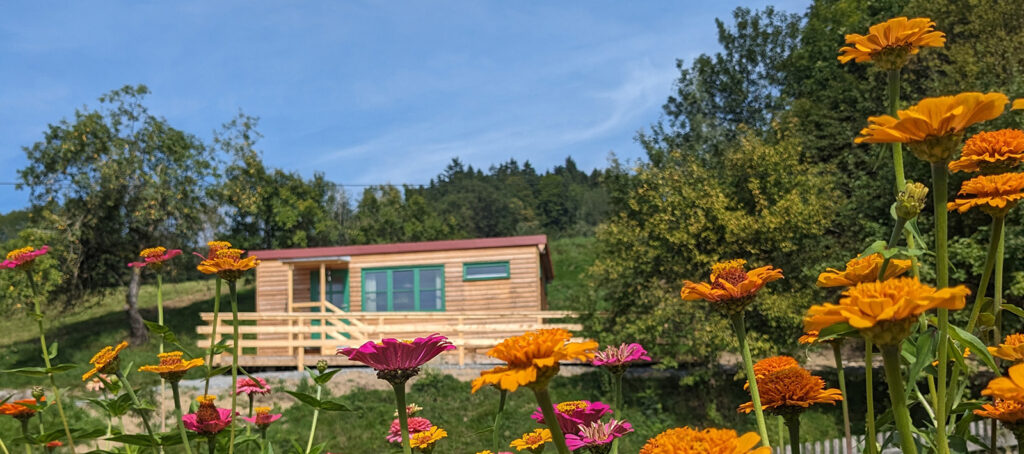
{"type": "Point", "coordinates": [61, 368]}
{"type": "Point", "coordinates": [322, 379]}
{"type": "Point", "coordinates": [975, 344]}
{"type": "Point", "coordinates": [318, 448]}
{"type": "Point", "coordinates": [876, 247]}
{"type": "Point", "coordinates": [836, 331]}
{"type": "Point", "coordinates": [305, 398]}
{"type": "Point", "coordinates": [1013, 309]}
{"type": "Point", "coordinates": [136, 440]}
{"type": "Point", "coordinates": [53, 350]}
{"type": "Point", "coordinates": [218, 371]}
{"type": "Point", "coordinates": [923, 354]}
{"type": "Point", "coordinates": [40, 371]}
{"type": "Point", "coordinates": [156, 328]}
{"type": "Point", "coordinates": [330, 405]}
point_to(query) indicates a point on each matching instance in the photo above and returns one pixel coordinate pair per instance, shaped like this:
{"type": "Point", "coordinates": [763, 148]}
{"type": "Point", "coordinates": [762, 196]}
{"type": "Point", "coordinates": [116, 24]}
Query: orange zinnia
{"type": "Point", "coordinates": [885, 310]}
{"type": "Point", "coordinates": [771, 364]}
{"type": "Point", "coordinates": [171, 367]}
{"type": "Point", "coordinates": [862, 269]}
{"type": "Point", "coordinates": [731, 287]}
{"type": "Point", "coordinates": [933, 127]}
{"type": "Point", "coordinates": [684, 440]}
{"type": "Point", "coordinates": [105, 361]}
{"type": "Point", "coordinates": [21, 409]}
{"type": "Point", "coordinates": [1010, 387]}
{"type": "Point", "coordinates": [533, 441]}
{"type": "Point", "coordinates": [792, 388]}
{"type": "Point", "coordinates": [810, 337]}
{"type": "Point", "coordinates": [1007, 411]}
{"type": "Point", "coordinates": [227, 263]}
{"type": "Point", "coordinates": [892, 42]}
{"type": "Point", "coordinates": [1012, 348]}
{"type": "Point", "coordinates": [991, 152]}
{"type": "Point", "coordinates": [533, 358]}
{"type": "Point", "coordinates": [425, 440]}
{"type": "Point", "coordinates": [1018, 104]}
{"type": "Point", "coordinates": [993, 194]}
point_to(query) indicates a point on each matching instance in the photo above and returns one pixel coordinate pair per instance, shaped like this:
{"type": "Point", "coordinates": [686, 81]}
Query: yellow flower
{"type": "Point", "coordinates": [532, 441]}
{"type": "Point", "coordinates": [685, 440]}
{"type": "Point", "coordinates": [171, 367]}
{"type": "Point", "coordinates": [228, 263]}
{"type": "Point", "coordinates": [105, 361]}
{"type": "Point", "coordinates": [862, 269]}
{"type": "Point", "coordinates": [792, 388]}
{"type": "Point", "coordinates": [426, 439]}
{"type": "Point", "coordinates": [731, 287]}
{"type": "Point", "coordinates": [1007, 411]}
{"type": "Point", "coordinates": [884, 311]}
{"type": "Point", "coordinates": [993, 194]}
{"type": "Point", "coordinates": [933, 127]}
{"type": "Point", "coordinates": [1018, 104]}
{"type": "Point", "coordinates": [1012, 348]}
{"type": "Point", "coordinates": [810, 337]}
{"type": "Point", "coordinates": [532, 359]}
{"type": "Point", "coordinates": [1010, 387]}
{"type": "Point", "coordinates": [892, 42]}
{"type": "Point", "coordinates": [991, 152]}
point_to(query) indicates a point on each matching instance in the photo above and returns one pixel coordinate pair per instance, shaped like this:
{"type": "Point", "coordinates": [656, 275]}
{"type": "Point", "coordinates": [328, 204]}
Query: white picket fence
{"type": "Point", "coordinates": [980, 429]}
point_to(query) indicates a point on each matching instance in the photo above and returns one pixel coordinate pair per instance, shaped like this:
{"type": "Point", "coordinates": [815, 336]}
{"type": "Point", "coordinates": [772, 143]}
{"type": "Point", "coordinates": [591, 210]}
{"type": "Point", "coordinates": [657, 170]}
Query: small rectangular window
{"type": "Point", "coordinates": [485, 271]}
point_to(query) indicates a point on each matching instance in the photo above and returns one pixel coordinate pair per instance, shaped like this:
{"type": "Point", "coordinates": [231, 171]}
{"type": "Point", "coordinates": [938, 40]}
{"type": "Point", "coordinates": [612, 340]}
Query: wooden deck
{"type": "Point", "coordinates": [312, 336]}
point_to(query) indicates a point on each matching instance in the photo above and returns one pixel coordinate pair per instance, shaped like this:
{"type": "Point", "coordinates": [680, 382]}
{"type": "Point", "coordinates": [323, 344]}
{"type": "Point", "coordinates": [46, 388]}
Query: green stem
{"type": "Point", "coordinates": [901, 414]}
{"type": "Point", "coordinates": [495, 431]}
{"type": "Point", "coordinates": [546, 407]}
{"type": "Point", "coordinates": [617, 402]}
{"type": "Point", "coordinates": [997, 292]}
{"type": "Point", "coordinates": [3, 447]}
{"type": "Point", "coordinates": [403, 416]}
{"type": "Point", "coordinates": [234, 361]}
{"type": "Point", "coordinates": [940, 183]}
{"type": "Point", "coordinates": [160, 320]}
{"type": "Point", "coordinates": [893, 239]}
{"type": "Point", "coordinates": [213, 335]}
{"type": "Point", "coordinates": [793, 423]}
{"type": "Point", "coordinates": [838, 355]}
{"type": "Point", "coordinates": [869, 392]}
{"type": "Point", "coordinates": [135, 400]}
{"type": "Point", "coordinates": [178, 416]}
{"type": "Point", "coordinates": [995, 233]}
{"type": "Point", "coordinates": [263, 441]}
{"type": "Point", "coordinates": [782, 431]}
{"type": "Point", "coordinates": [316, 415]}
{"type": "Point", "coordinates": [211, 442]}
{"type": "Point", "coordinates": [897, 148]}
{"type": "Point", "coordinates": [24, 432]}
{"type": "Point", "coordinates": [46, 358]}
{"type": "Point", "coordinates": [739, 326]}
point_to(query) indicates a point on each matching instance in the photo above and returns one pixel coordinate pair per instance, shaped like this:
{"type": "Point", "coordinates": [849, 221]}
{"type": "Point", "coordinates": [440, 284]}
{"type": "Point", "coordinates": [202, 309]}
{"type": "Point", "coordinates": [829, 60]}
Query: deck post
{"type": "Point", "coordinates": [323, 284]}
{"type": "Point", "coordinates": [291, 286]}
{"type": "Point", "coordinates": [301, 358]}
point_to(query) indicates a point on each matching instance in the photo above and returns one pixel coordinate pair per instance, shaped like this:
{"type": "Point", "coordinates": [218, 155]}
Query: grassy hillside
{"type": "Point", "coordinates": [570, 258]}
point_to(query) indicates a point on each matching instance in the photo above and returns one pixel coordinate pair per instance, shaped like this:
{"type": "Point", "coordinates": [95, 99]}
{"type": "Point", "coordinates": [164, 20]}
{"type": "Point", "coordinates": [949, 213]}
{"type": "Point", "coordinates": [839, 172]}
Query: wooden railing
{"type": "Point", "coordinates": [301, 338]}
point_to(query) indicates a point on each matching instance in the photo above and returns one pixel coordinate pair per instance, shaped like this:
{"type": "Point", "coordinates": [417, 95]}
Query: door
{"type": "Point", "coordinates": [337, 292]}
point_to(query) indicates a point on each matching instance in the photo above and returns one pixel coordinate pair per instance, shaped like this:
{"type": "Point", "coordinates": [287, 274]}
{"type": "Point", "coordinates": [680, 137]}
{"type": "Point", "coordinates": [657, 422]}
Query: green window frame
{"type": "Point", "coordinates": [485, 271]}
{"type": "Point", "coordinates": [404, 288]}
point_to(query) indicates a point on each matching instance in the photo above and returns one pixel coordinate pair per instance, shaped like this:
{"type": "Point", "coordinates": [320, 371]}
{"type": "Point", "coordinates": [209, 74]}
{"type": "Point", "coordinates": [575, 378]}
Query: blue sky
{"type": "Point", "coordinates": [366, 92]}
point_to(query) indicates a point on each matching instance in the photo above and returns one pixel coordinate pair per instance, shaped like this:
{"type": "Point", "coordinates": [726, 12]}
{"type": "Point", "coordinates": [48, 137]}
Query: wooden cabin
{"type": "Point", "coordinates": [310, 301]}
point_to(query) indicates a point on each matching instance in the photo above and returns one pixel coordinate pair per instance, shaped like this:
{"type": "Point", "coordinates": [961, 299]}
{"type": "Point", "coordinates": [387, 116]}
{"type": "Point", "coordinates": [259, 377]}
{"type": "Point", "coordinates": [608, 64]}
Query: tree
{"type": "Point", "coordinates": [385, 215]}
{"type": "Point", "coordinates": [118, 179]}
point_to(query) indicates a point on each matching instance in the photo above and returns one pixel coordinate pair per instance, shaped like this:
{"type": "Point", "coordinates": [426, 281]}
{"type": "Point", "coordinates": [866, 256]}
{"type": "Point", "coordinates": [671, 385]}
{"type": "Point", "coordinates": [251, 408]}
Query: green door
{"type": "Point", "coordinates": [337, 291]}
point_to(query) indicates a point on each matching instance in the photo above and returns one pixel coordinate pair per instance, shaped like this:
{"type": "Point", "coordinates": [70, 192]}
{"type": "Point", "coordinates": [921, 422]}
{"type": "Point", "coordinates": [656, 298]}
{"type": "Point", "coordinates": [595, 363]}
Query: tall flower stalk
{"type": "Point", "coordinates": [172, 369]}
{"type": "Point", "coordinates": [496, 429]}
{"type": "Point", "coordinates": [740, 329]}
{"type": "Point", "coordinates": [616, 359]}
{"type": "Point", "coordinates": [871, 436]}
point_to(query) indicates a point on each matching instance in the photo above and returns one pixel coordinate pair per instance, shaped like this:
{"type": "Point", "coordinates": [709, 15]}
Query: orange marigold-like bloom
{"type": "Point", "coordinates": [810, 337]}
{"type": "Point", "coordinates": [227, 263]}
{"type": "Point", "coordinates": [684, 440]}
{"type": "Point", "coordinates": [731, 287]}
{"type": "Point", "coordinates": [1012, 348]}
{"type": "Point", "coordinates": [771, 364]}
{"type": "Point", "coordinates": [533, 358]}
{"type": "Point", "coordinates": [993, 194]}
{"type": "Point", "coordinates": [21, 409]}
{"type": "Point", "coordinates": [171, 366]}
{"type": "Point", "coordinates": [892, 42]}
{"type": "Point", "coordinates": [533, 441]}
{"type": "Point", "coordinates": [884, 310]}
{"type": "Point", "coordinates": [426, 439]}
{"type": "Point", "coordinates": [862, 269]}
{"type": "Point", "coordinates": [933, 127]}
{"type": "Point", "coordinates": [1018, 104]}
{"type": "Point", "coordinates": [1008, 411]}
{"type": "Point", "coordinates": [991, 152]}
{"type": "Point", "coordinates": [792, 389]}
{"type": "Point", "coordinates": [1009, 387]}
{"type": "Point", "coordinates": [105, 361]}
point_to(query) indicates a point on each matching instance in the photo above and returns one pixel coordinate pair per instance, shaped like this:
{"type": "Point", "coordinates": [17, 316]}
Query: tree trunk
{"type": "Point", "coordinates": [139, 333]}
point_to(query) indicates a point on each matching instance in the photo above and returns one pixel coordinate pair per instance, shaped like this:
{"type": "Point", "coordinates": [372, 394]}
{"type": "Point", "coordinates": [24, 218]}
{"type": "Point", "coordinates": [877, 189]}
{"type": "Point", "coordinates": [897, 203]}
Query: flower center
{"type": "Point", "coordinates": [216, 246]}
{"type": "Point", "coordinates": [170, 359]}
{"type": "Point", "coordinates": [18, 253]}
{"type": "Point", "coordinates": [571, 406]}
{"type": "Point", "coordinates": [153, 252]}
{"type": "Point", "coordinates": [233, 254]}
{"type": "Point", "coordinates": [731, 271]}
{"type": "Point", "coordinates": [533, 439]}
{"type": "Point", "coordinates": [1014, 340]}
{"type": "Point", "coordinates": [207, 411]}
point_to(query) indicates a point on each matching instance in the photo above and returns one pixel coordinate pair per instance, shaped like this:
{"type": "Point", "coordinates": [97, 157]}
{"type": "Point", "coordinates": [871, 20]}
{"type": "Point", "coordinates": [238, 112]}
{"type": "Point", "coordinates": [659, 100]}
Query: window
{"type": "Point", "coordinates": [484, 271]}
{"type": "Point", "coordinates": [418, 288]}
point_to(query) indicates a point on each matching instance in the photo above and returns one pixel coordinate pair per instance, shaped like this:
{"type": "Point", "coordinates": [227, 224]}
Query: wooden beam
{"type": "Point", "coordinates": [291, 287]}
{"type": "Point", "coordinates": [323, 282]}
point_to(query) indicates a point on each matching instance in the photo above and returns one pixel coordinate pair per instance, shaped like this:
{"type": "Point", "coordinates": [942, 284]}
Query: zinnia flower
{"type": "Point", "coordinates": [416, 425]}
{"type": "Point", "coordinates": [227, 263]}
{"type": "Point", "coordinates": [792, 389]}
{"type": "Point", "coordinates": [810, 337]}
{"type": "Point", "coordinates": [262, 417]}
{"type": "Point", "coordinates": [597, 434]}
{"type": "Point", "coordinates": [105, 361]}
{"type": "Point", "coordinates": [1012, 348]}
{"type": "Point", "coordinates": [21, 409]}
{"type": "Point", "coordinates": [993, 194]}
{"type": "Point", "coordinates": [574, 413]}
{"type": "Point", "coordinates": [620, 356]}
{"type": "Point", "coordinates": [249, 386]}
{"type": "Point", "coordinates": [171, 367]}
{"type": "Point", "coordinates": [396, 361]}
{"type": "Point", "coordinates": [1007, 411]}
{"type": "Point", "coordinates": [425, 440]}
{"type": "Point", "coordinates": [1018, 104]}
{"type": "Point", "coordinates": [533, 441]}
{"type": "Point", "coordinates": [731, 287]}
{"type": "Point", "coordinates": [53, 445]}
{"type": "Point", "coordinates": [410, 409]}
{"type": "Point", "coordinates": [22, 258]}
{"type": "Point", "coordinates": [891, 43]}
{"type": "Point", "coordinates": [155, 257]}
{"type": "Point", "coordinates": [933, 127]}
{"type": "Point", "coordinates": [685, 440]}
{"type": "Point", "coordinates": [770, 365]}
{"type": "Point", "coordinates": [208, 420]}
{"type": "Point", "coordinates": [488, 451]}
{"type": "Point", "coordinates": [96, 384]}
{"type": "Point", "coordinates": [862, 269]}
{"type": "Point", "coordinates": [532, 359]}
{"type": "Point", "coordinates": [991, 152]}
{"type": "Point", "coordinates": [884, 311]}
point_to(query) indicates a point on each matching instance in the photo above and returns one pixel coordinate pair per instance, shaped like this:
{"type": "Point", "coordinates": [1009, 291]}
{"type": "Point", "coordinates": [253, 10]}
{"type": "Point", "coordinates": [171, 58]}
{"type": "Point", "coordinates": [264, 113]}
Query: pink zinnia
{"type": "Point", "coordinates": [23, 257]}
{"type": "Point", "coordinates": [597, 433]}
{"type": "Point", "coordinates": [249, 386]}
{"type": "Point", "coordinates": [393, 354]}
{"type": "Point", "coordinates": [262, 417]}
{"type": "Point", "coordinates": [622, 355]}
{"type": "Point", "coordinates": [416, 425]}
{"type": "Point", "coordinates": [207, 420]}
{"type": "Point", "coordinates": [155, 256]}
{"type": "Point", "coordinates": [575, 413]}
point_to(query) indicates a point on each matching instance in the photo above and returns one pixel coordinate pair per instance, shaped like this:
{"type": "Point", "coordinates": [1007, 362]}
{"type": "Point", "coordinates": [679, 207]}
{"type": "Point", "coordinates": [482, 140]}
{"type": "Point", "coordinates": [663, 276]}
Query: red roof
{"type": "Point", "coordinates": [423, 246]}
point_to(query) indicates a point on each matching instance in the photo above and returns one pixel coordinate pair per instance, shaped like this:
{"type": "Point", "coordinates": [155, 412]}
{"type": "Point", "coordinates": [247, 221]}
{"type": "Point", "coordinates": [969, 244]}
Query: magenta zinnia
{"type": "Point", "coordinates": [208, 419]}
{"type": "Point", "coordinates": [416, 425]}
{"type": "Point", "coordinates": [597, 434]}
{"type": "Point", "coordinates": [622, 355]}
{"type": "Point", "coordinates": [262, 417]}
{"type": "Point", "coordinates": [573, 414]}
{"type": "Point", "coordinates": [254, 385]}
{"type": "Point", "coordinates": [155, 257]}
{"type": "Point", "coordinates": [23, 257]}
{"type": "Point", "coordinates": [393, 358]}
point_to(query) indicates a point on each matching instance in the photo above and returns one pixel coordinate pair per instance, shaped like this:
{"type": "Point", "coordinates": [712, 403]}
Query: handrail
{"type": "Point", "coordinates": [397, 315]}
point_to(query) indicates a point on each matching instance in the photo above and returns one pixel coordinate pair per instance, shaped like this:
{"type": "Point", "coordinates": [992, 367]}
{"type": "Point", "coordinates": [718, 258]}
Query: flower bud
{"type": "Point", "coordinates": [321, 366]}
{"type": "Point", "coordinates": [38, 393]}
{"type": "Point", "coordinates": [910, 201]}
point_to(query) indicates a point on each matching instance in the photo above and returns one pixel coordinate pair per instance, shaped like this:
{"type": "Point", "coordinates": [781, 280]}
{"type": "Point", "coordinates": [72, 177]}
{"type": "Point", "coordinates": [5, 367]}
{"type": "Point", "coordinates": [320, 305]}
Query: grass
{"type": "Point", "coordinates": [570, 258]}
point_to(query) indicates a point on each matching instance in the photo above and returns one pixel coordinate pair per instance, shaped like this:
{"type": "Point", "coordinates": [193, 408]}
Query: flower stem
{"type": "Point", "coordinates": [46, 358]}
{"type": "Point", "coordinates": [24, 432]}
{"type": "Point", "coordinates": [234, 361]}
{"type": "Point", "coordinates": [782, 431]}
{"type": "Point", "coordinates": [495, 431]}
{"type": "Point", "coordinates": [869, 393]}
{"type": "Point", "coordinates": [177, 416]}
{"type": "Point", "coordinates": [135, 400]}
{"type": "Point", "coordinates": [901, 414]}
{"type": "Point", "coordinates": [403, 416]}
{"type": "Point", "coordinates": [544, 400]}
{"type": "Point", "coordinates": [893, 89]}
{"type": "Point", "coordinates": [997, 292]}
{"type": "Point", "coordinates": [793, 423]}
{"type": "Point", "coordinates": [617, 402]}
{"type": "Point", "coordinates": [893, 238]}
{"type": "Point", "coordinates": [213, 334]}
{"type": "Point", "coordinates": [211, 441]}
{"type": "Point", "coordinates": [160, 320]}
{"type": "Point", "coordinates": [316, 415]}
{"type": "Point", "coordinates": [252, 398]}
{"type": "Point", "coordinates": [838, 354]}
{"type": "Point", "coordinates": [940, 183]}
{"type": "Point", "coordinates": [995, 234]}
{"type": "Point", "coordinates": [3, 447]}
{"type": "Point", "coordinates": [739, 326]}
